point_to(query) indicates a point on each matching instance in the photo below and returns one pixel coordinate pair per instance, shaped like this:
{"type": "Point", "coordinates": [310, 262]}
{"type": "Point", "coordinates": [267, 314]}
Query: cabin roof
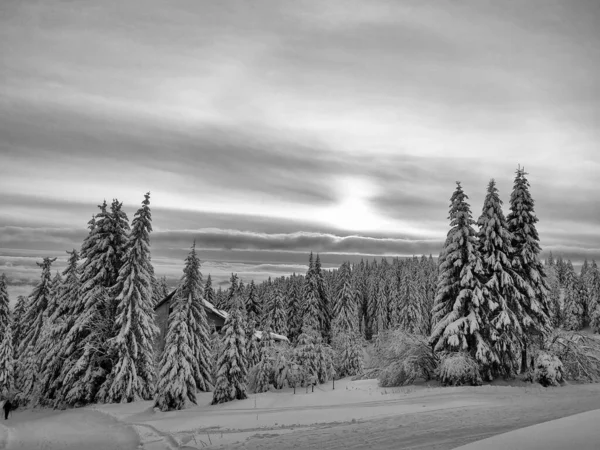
{"type": "Point", "coordinates": [219, 312]}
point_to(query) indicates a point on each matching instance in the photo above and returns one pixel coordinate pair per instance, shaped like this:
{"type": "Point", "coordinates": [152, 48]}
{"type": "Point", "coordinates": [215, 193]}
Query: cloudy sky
{"type": "Point", "coordinates": [266, 129]}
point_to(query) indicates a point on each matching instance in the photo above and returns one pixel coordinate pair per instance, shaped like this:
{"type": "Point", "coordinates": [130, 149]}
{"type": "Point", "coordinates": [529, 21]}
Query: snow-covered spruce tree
{"type": "Point", "coordinates": [185, 364]}
{"type": "Point", "coordinates": [324, 306]}
{"type": "Point", "coordinates": [349, 357]}
{"type": "Point", "coordinates": [17, 327]}
{"type": "Point", "coordinates": [575, 302]}
{"type": "Point", "coordinates": [503, 298]}
{"type": "Point", "coordinates": [461, 310]}
{"type": "Point", "coordinates": [264, 370]}
{"type": "Point", "coordinates": [372, 303]}
{"type": "Point", "coordinates": [295, 309]}
{"type": "Point", "coordinates": [555, 306]}
{"type": "Point", "coordinates": [45, 343]}
{"type": "Point", "coordinates": [232, 363]}
{"type": "Point", "coordinates": [89, 359]}
{"type": "Point", "coordinates": [305, 354]}
{"type": "Point", "coordinates": [594, 296]}
{"type": "Point", "coordinates": [253, 307]}
{"type": "Point", "coordinates": [6, 342]}
{"type": "Point", "coordinates": [154, 285]}
{"type": "Point", "coordinates": [534, 318]}
{"type": "Point", "coordinates": [5, 319]}
{"type": "Point", "coordinates": [132, 377]}
{"type": "Point", "coordinates": [277, 311]}
{"type": "Point", "coordinates": [33, 324]}
{"type": "Point", "coordinates": [209, 292]}
{"type": "Point", "coordinates": [163, 286]}
{"type": "Point", "coordinates": [383, 303]}
{"type": "Point", "coordinates": [55, 333]}
{"type": "Point", "coordinates": [430, 285]}
{"type": "Point", "coordinates": [313, 302]}
{"type": "Point", "coordinates": [345, 312]}
{"type": "Point", "coordinates": [55, 295]}
{"type": "Point", "coordinates": [231, 294]}
{"type": "Point", "coordinates": [411, 310]}
{"type": "Point", "coordinates": [7, 380]}
{"type": "Point", "coordinates": [311, 313]}
{"type": "Point", "coordinates": [252, 346]}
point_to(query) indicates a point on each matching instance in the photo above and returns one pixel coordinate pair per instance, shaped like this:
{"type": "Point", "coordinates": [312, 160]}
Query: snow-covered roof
{"type": "Point", "coordinates": [218, 312]}
{"type": "Point", "coordinates": [275, 336]}
{"type": "Point", "coordinates": [223, 314]}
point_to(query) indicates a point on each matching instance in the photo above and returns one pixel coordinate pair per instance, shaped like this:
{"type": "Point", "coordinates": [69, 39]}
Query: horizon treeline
{"type": "Point", "coordinates": [88, 335]}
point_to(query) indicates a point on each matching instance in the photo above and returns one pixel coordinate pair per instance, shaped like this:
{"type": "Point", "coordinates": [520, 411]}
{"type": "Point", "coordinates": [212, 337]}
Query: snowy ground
{"type": "Point", "coordinates": [354, 415]}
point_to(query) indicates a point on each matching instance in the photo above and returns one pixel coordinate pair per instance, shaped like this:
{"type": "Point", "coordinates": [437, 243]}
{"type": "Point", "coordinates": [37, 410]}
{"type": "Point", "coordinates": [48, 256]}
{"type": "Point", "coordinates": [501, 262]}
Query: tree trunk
{"type": "Point", "coordinates": [524, 358]}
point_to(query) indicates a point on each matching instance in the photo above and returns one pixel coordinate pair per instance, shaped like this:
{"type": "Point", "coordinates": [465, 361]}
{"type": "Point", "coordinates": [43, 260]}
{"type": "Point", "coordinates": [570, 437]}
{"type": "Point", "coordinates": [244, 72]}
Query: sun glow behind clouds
{"type": "Point", "coordinates": [354, 212]}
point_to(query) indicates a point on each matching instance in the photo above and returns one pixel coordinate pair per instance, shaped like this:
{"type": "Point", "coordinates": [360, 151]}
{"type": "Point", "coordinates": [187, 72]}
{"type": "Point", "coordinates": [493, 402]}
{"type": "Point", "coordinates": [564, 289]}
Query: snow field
{"type": "Point", "coordinates": [357, 414]}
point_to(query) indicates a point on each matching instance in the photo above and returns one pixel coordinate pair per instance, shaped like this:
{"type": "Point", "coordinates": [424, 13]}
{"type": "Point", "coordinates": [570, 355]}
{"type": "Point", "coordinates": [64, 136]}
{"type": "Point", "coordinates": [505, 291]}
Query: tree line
{"type": "Point", "coordinates": [88, 335]}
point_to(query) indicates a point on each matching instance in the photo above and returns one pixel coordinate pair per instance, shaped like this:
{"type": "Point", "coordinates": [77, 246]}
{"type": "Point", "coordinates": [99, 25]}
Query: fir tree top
{"type": "Point", "coordinates": [4, 308]}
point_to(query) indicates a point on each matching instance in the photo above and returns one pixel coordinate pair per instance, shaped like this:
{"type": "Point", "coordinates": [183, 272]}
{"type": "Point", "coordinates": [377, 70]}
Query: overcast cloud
{"type": "Point", "coordinates": [267, 129]}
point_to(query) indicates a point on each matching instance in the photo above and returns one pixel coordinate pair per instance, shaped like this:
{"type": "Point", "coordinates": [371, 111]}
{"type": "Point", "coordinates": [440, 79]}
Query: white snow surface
{"type": "Point", "coordinates": [579, 431]}
{"type": "Point", "coordinates": [356, 415]}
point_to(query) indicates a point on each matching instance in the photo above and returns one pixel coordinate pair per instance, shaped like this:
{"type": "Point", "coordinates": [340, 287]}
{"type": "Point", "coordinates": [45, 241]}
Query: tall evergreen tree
{"type": "Point", "coordinates": [4, 306]}
{"type": "Point", "coordinates": [231, 293]}
{"type": "Point", "coordinates": [349, 353]}
{"type": "Point", "coordinates": [410, 311]}
{"type": "Point", "coordinates": [89, 359]}
{"type": "Point", "coordinates": [503, 297]}
{"type": "Point", "coordinates": [594, 296]}
{"type": "Point", "coordinates": [17, 326]}
{"type": "Point", "coordinates": [253, 307]}
{"type": "Point", "coordinates": [277, 312]}
{"type": "Point", "coordinates": [534, 318]}
{"type": "Point", "coordinates": [164, 287]}
{"type": "Point", "coordinates": [6, 342]}
{"type": "Point", "coordinates": [209, 292]}
{"type": "Point", "coordinates": [372, 304]}
{"type": "Point", "coordinates": [324, 306]}
{"type": "Point", "coordinates": [58, 326]}
{"type": "Point", "coordinates": [252, 347]}
{"type": "Point", "coordinates": [460, 309]}
{"type": "Point", "coordinates": [232, 363]}
{"type": "Point", "coordinates": [575, 301]}
{"type": "Point", "coordinates": [33, 324]}
{"type": "Point", "coordinates": [132, 376]}
{"type": "Point", "coordinates": [185, 364]}
{"type": "Point", "coordinates": [295, 310]}
{"type": "Point", "coordinates": [313, 312]}
{"type": "Point", "coordinates": [383, 302]}
{"type": "Point", "coordinates": [345, 312]}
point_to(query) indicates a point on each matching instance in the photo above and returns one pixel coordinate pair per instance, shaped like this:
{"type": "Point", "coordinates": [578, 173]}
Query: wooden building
{"type": "Point", "coordinates": [215, 317]}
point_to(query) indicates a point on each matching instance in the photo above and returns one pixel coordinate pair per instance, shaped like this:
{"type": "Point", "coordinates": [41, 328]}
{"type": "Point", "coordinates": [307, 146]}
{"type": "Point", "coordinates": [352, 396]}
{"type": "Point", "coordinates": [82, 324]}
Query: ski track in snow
{"type": "Point", "coordinates": [351, 417]}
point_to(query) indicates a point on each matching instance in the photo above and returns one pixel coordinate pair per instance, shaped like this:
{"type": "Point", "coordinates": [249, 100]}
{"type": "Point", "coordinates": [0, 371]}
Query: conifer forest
{"type": "Point", "coordinates": [487, 307]}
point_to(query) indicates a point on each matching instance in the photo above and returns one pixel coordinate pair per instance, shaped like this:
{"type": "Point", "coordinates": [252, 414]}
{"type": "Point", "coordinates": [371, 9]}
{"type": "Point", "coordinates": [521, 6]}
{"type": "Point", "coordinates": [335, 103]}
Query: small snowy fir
{"type": "Point", "coordinates": [185, 365]}
{"type": "Point", "coordinates": [232, 363]}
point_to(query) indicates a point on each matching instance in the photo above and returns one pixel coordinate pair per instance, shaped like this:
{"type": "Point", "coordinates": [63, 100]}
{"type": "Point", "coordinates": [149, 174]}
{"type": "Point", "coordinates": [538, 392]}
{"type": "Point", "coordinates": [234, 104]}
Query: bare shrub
{"type": "Point", "coordinates": [579, 354]}
{"type": "Point", "coordinates": [403, 357]}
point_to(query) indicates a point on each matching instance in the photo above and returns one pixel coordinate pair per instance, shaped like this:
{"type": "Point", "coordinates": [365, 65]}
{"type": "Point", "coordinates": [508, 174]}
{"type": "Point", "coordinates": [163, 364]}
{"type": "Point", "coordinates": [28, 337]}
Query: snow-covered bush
{"type": "Point", "coordinates": [402, 358]}
{"type": "Point", "coordinates": [548, 370]}
{"type": "Point", "coordinates": [579, 354]}
{"type": "Point", "coordinates": [259, 376]}
{"type": "Point", "coordinates": [458, 369]}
